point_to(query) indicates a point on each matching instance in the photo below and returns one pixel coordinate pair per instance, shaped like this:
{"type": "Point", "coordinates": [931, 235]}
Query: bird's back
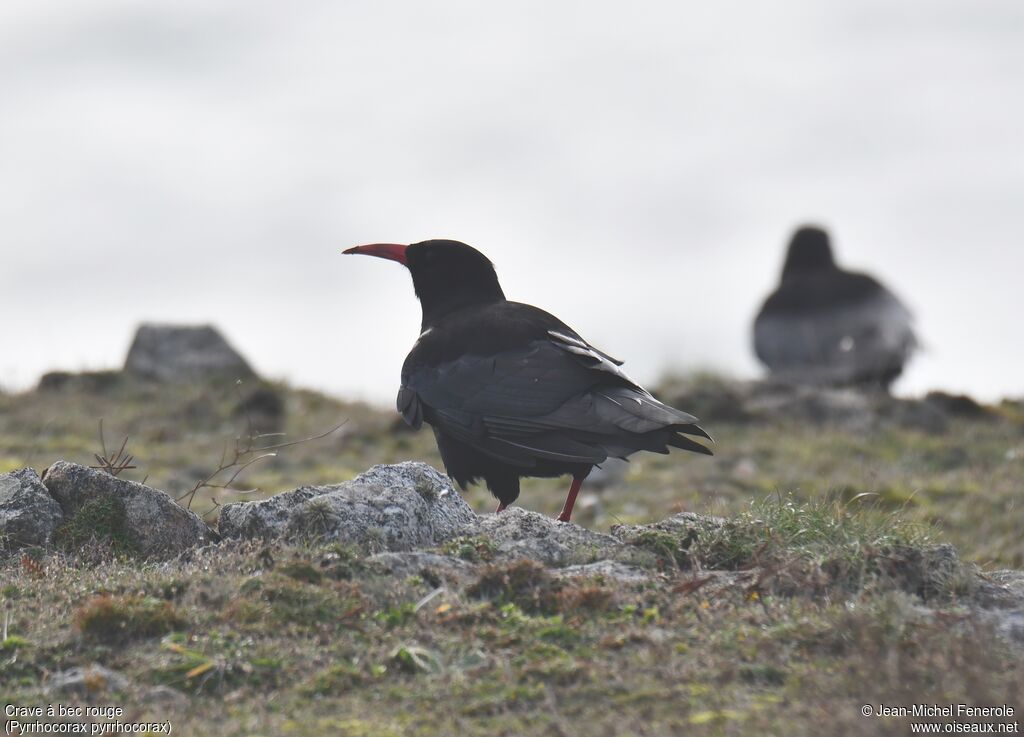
{"type": "Point", "coordinates": [834, 327]}
{"type": "Point", "coordinates": [520, 386]}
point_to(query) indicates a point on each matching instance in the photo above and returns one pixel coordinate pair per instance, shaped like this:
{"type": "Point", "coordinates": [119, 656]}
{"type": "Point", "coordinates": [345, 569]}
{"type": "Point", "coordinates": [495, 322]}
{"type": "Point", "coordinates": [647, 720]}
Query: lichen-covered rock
{"type": "Point", "coordinates": [88, 681]}
{"type": "Point", "coordinates": [28, 514]}
{"type": "Point", "coordinates": [609, 570]}
{"type": "Point", "coordinates": [431, 567]}
{"type": "Point", "coordinates": [717, 400]}
{"type": "Point", "coordinates": [176, 353]}
{"type": "Point", "coordinates": [147, 521]}
{"type": "Point", "coordinates": [1001, 596]}
{"type": "Point", "coordinates": [390, 507]}
{"type": "Point", "coordinates": [520, 533]}
{"type": "Point", "coordinates": [268, 518]}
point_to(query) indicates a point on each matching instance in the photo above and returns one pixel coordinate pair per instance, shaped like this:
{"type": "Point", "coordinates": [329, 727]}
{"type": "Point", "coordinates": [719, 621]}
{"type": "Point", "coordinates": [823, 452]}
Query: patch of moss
{"type": "Point", "coordinates": [426, 490]}
{"type": "Point", "coordinates": [343, 562]}
{"type": "Point", "coordinates": [301, 571]}
{"type": "Point", "coordinates": [100, 521]}
{"type": "Point", "coordinates": [396, 616]}
{"type": "Point", "coordinates": [524, 582]}
{"type": "Point", "coordinates": [221, 664]}
{"type": "Point", "coordinates": [585, 597]}
{"type": "Point", "coordinates": [670, 549]}
{"type": "Point", "coordinates": [337, 679]}
{"type": "Point", "coordinates": [111, 619]}
{"type": "Point", "coordinates": [12, 643]}
{"type": "Point", "coordinates": [285, 602]}
{"type": "Point", "coordinates": [557, 670]}
{"type": "Point", "coordinates": [413, 659]}
{"type": "Point", "coordinates": [315, 519]}
{"type": "Point", "coordinates": [475, 549]}
{"type": "Point", "coordinates": [762, 673]}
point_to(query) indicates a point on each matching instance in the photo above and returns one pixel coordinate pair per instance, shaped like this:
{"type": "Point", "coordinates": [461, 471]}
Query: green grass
{"type": "Point", "coordinates": [98, 523]}
{"type": "Point", "coordinates": [274, 648]}
{"type": "Point", "coordinates": [823, 587]}
{"type": "Point", "coordinates": [116, 619]}
{"type": "Point", "coordinates": [964, 482]}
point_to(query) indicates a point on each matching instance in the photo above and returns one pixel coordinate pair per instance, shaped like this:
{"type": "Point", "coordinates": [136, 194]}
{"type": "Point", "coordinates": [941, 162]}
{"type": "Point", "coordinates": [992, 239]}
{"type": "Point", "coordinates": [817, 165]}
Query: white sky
{"type": "Point", "coordinates": [634, 168]}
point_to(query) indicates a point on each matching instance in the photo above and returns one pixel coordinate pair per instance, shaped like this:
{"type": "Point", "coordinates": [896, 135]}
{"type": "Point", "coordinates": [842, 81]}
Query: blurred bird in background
{"type": "Point", "coordinates": [827, 326]}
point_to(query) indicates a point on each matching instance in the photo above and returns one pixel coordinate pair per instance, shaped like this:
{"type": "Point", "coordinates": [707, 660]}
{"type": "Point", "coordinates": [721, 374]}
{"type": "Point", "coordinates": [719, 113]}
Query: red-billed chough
{"type": "Point", "coordinates": [512, 391]}
{"type": "Point", "coordinates": [827, 326]}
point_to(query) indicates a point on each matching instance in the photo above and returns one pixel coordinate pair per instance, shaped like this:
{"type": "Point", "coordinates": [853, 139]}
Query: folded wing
{"type": "Point", "coordinates": [556, 399]}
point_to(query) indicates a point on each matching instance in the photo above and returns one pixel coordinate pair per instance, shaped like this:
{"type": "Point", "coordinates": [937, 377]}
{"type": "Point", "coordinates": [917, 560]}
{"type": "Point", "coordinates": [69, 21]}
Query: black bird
{"type": "Point", "coordinates": [512, 391]}
{"type": "Point", "coordinates": [827, 326]}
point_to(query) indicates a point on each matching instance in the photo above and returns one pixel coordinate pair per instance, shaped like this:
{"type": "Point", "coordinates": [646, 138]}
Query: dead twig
{"type": "Point", "coordinates": [245, 454]}
{"type": "Point", "coordinates": [115, 463]}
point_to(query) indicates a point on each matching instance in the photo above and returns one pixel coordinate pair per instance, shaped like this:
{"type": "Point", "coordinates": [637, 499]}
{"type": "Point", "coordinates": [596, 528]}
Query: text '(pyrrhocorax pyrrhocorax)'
{"type": "Point", "coordinates": [827, 326]}
{"type": "Point", "coordinates": [512, 391]}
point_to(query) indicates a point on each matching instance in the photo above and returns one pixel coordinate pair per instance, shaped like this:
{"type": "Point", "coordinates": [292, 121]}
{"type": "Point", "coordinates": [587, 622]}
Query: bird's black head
{"type": "Point", "coordinates": [447, 275]}
{"type": "Point", "coordinates": [809, 253]}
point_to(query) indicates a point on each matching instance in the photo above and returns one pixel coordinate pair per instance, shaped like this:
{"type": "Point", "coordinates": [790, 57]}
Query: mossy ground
{"type": "Point", "coordinates": [964, 481]}
{"type": "Point", "coordinates": [812, 618]}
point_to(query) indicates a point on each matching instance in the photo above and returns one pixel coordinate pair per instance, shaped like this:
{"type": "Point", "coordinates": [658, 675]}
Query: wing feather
{"type": "Point", "coordinates": [557, 399]}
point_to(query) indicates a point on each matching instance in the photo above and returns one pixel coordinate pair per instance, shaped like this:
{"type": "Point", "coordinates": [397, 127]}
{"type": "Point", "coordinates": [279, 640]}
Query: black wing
{"type": "Point", "coordinates": [555, 399]}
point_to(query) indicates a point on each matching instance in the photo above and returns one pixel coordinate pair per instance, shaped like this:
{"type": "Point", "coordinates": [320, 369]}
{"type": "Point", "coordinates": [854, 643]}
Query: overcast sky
{"type": "Point", "coordinates": [634, 168]}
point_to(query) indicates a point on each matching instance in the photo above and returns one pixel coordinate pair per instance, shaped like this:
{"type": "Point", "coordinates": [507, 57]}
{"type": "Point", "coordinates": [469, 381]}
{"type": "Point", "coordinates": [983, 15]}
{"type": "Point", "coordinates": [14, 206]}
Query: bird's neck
{"type": "Point", "coordinates": [439, 301]}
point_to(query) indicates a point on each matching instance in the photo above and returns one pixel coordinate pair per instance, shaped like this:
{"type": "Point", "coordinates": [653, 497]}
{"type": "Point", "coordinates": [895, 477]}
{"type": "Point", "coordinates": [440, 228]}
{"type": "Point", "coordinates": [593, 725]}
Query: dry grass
{"type": "Point", "coordinates": [825, 600]}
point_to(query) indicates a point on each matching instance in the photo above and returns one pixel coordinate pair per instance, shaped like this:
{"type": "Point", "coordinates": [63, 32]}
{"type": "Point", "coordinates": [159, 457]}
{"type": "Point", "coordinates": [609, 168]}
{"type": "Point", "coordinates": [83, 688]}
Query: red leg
{"type": "Point", "coordinates": [501, 507]}
{"type": "Point", "coordinates": [570, 499]}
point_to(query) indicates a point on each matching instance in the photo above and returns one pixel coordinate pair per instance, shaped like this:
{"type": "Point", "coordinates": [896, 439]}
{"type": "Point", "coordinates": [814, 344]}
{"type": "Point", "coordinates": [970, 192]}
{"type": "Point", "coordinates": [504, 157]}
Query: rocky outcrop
{"type": "Point", "coordinates": [717, 400]}
{"type": "Point", "coordinates": [407, 520]}
{"type": "Point", "coordinates": [179, 353]}
{"type": "Point", "coordinates": [520, 533]}
{"type": "Point", "coordinates": [397, 507]}
{"type": "Point", "coordinates": [86, 382]}
{"type": "Point", "coordinates": [141, 520]}
{"type": "Point", "coordinates": [86, 682]}
{"type": "Point", "coordinates": [29, 516]}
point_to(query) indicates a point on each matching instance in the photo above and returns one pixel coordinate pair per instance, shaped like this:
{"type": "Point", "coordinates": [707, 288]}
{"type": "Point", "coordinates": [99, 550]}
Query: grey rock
{"type": "Point", "coordinates": [718, 400]}
{"type": "Point", "coordinates": [165, 697]}
{"type": "Point", "coordinates": [176, 353]}
{"type": "Point", "coordinates": [154, 523]}
{"type": "Point", "coordinates": [849, 409]}
{"type": "Point", "coordinates": [1000, 594]}
{"type": "Point", "coordinates": [1008, 624]}
{"type": "Point", "coordinates": [1011, 581]}
{"type": "Point", "coordinates": [87, 681]}
{"type": "Point", "coordinates": [610, 570]}
{"type": "Point", "coordinates": [520, 533]}
{"type": "Point", "coordinates": [390, 507]}
{"type": "Point", "coordinates": [28, 514]}
{"type": "Point", "coordinates": [959, 405]}
{"type": "Point", "coordinates": [268, 518]}
{"type": "Point", "coordinates": [680, 524]}
{"type": "Point", "coordinates": [88, 382]}
{"type": "Point", "coordinates": [1001, 590]}
{"type": "Point", "coordinates": [430, 566]}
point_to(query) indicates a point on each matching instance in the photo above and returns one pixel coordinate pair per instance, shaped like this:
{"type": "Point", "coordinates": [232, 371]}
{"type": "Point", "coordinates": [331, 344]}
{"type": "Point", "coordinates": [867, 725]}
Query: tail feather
{"type": "Point", "coordinates": [683, 442]}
